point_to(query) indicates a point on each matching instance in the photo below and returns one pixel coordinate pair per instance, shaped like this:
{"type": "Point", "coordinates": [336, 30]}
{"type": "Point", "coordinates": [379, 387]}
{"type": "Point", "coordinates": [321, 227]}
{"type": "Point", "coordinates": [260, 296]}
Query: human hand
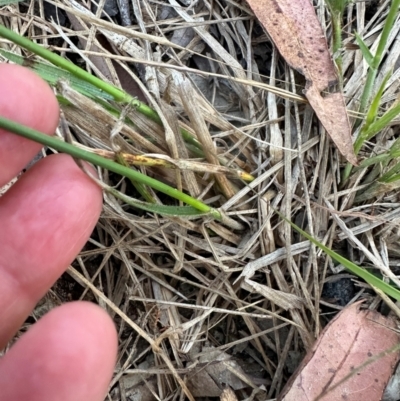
{"type": "Point", "coordinates": [45, 219]}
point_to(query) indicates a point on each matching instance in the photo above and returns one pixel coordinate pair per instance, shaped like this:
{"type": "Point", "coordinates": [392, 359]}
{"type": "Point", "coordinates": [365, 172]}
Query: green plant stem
{"type": "Point", "coordinates": [118, 94]}
{"type": "Point", "coordinates": [142, 189]}
{"type": "Point", "coordinates": [337, 32]}
{"type": "Point", "coordinates": [63, 63]}
{"type": "Point", "coordinates": [64, 147]}
{"type": "Point", "coordinates": [372, 72]}
{"type": "Point", "coordinates": [337, 9]}
{"type": "Point", "coordinates": [346, 173]}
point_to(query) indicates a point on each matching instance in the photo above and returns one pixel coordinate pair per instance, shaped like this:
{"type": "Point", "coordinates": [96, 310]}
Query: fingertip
{"type": "Point", "coordinates": [46, 219]}
{"type": "Point", "coordinates": [94, 336]}
{"type": "Point", "coordinates": [28, 100]}
{"type": "Point", "coordinates": [93, 326]}
{"type": "Point", "coordinates": [68, 355]}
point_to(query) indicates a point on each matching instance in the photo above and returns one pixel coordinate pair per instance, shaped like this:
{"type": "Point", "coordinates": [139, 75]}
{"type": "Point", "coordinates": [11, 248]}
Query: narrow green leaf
{"type": "Point", "coordinates": [373, 62]}
{"type": "Point", "coordinates": [97, 160]}
{"type": "Point", "coordinates": [116, 93]}
{"type": "Point", "coordinates": [374, 108]}
{"type": "Point", "coordinates": [370, 161]}
{"type": "Point", "coordinates": [389, 175]}
{"type": "Point", "coordinates": [364, 50]}
{"type": "Point", "coordinates": [383, 158]}
{"type": "Point", "coordinates": [382, 122]}
{"type": "Point", "coordinates": [188, 212]}
{"type": "Point", "coordinates": [7, 2]}
{"type": "Point", "coordinates": [53, 74]}
{"type": "Point", "coordinates": [393, 179]}
{"type": "Point", "coordinates": [357, 270]}
{"type": "Point", "coordinates": [379, 54]}
{"type": "Point", "coordinates": [387, 27]}
{"type": "Point", "coordinates": [395, 148]}
{"type": "Point", "coordinates": [368, 130]}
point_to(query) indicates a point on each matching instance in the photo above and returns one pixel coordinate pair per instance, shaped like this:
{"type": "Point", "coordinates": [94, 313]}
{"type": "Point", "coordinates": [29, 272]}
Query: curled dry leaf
{"type": "Point", "coordinates": [296, 32]}
{"type": "Point", "coordinates": [282, 299]}
{"type": "Point", "coordinates": [352, 360]}
{"type": "Point", "coordinates": [165, 161]}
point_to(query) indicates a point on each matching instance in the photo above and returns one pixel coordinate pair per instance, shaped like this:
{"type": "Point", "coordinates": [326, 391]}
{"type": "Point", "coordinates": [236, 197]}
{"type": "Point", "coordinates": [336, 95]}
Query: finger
{"type": "Point", "coordinates": [46, 218]}
{"type": "Point", "coordinates": [68, 355]}
{"type": "Point", "coordinates": [28, 100]}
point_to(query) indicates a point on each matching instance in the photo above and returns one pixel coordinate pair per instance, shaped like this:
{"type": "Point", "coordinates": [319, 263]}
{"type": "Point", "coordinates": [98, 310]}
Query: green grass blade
{"type": "Point", "coordinates": [389, 175]}
{"type": "Point", "coordinates": [393, 178]}
{"type": "Point", "coordinates": [374, 108]}
{"type": "Point", "coordinates": [117, 94]}
{"type": "Point", "coordinates": [357, 270]}
{"type": "Point", "coordinates": [141, 188]}
{"type": "Point", "coordinates": [64, 147]}
{"type": "Point", "coordinates": [368, 130]}
{"type": "Point", "coordinates": [7, 2]}
{"type": "Point", "coordinates": [382, 122]}
{"type": "Point", "coordinates": [165, 210]}
{"type": "Point", "coordinates": [387, 27]}
{"type": "Point", "coordinates": [364, 50]}
{"type": "Point", "coordinates": [395, 148]}
{"type": "Point", "coordinates": [382, 158]}
{"type": "Point", "coordinates": [393, 153]}
{"type": "Point", "coordinates": [378, 57]}
{"type": "Point", "coordinates": [53, 74]}
{"type": "Point", "coordinates": [374, 64]}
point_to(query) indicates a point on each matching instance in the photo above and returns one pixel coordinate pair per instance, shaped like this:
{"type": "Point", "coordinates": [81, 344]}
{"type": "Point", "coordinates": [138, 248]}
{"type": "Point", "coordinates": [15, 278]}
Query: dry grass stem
{"type": "Point", "coordinates": [198, 305]}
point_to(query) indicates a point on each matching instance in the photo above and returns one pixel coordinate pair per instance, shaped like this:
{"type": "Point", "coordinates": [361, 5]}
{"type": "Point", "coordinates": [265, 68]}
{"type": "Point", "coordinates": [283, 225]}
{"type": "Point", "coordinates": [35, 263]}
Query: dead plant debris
{"type": "Point", "coordinates": [191, 323]}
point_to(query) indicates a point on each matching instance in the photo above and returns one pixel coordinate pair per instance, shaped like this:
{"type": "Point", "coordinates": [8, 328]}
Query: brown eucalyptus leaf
{"type": "Point", "coordinates": [296, 32]}
{"type": "Point", "coordinates": [352, 360]}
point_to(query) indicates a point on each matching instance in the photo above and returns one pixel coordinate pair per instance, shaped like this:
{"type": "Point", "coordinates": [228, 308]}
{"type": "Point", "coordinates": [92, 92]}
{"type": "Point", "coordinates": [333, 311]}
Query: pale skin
{"type": "Point", "coordinates": [45, 219]}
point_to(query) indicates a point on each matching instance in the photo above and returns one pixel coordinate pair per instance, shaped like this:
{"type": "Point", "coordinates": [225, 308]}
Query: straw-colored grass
{"type": "Point", "coordinates": [198, 304]}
